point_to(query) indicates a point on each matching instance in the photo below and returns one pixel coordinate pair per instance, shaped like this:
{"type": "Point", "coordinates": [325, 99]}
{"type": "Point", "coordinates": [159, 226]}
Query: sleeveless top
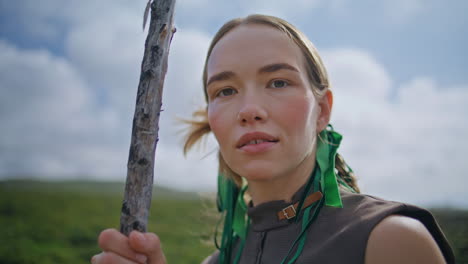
{"type": "Point", "coordinates": [338, 235]}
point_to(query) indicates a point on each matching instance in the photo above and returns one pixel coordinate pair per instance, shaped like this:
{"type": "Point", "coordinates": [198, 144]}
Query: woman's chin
{"type": "Point", "coordinates": [260, 174]}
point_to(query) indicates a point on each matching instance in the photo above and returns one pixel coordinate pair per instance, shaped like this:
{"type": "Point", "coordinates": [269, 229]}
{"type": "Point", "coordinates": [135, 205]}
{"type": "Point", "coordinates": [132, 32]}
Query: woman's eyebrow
{"type": "Point", "coordinates": [222, 76]}
{"type": "Point", "coordinates": [226, 75]}
{"type": "Point", "coordinates": [276, 67]}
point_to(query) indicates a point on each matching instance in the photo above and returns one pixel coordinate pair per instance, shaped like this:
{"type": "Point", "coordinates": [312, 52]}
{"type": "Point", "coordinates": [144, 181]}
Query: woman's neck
{"type": "Point", "coordinates": [283, 187]}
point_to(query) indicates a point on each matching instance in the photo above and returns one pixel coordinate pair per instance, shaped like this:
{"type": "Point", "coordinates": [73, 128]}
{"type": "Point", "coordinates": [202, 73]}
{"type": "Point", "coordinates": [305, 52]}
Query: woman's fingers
{"type": "Point", "coordinates": [110, 258]}
{"type": "Point", "coordinates": [136, 248]}
{"type": "Point", "coordinates": [111, 240]}
{"type": "Point", "coordinates": [148, 244]}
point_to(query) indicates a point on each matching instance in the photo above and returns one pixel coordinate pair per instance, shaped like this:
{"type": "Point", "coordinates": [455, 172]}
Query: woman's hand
{"type": "Point", "coordinates": [143, 248]}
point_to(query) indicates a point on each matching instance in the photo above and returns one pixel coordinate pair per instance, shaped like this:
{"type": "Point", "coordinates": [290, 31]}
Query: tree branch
{"type": "Point", "coordinates": [140, 167]}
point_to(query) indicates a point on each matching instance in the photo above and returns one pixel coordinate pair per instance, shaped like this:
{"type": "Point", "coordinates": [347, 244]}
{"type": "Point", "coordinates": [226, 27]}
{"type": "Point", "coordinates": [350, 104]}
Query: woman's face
{"type": "Point", "coordinates": [261, 107]}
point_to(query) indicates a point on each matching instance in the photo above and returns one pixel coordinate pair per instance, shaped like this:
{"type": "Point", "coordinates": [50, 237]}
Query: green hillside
{"type": "Point", "coordinates": [58, 222]}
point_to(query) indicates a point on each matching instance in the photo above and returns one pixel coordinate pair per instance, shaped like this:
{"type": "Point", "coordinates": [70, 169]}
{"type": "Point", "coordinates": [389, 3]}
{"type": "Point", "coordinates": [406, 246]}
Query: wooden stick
{"type": "Point", "coordinates": [139, 185]}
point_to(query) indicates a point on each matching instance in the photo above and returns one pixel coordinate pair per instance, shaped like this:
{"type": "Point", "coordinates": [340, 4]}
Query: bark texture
{"type": "Point", "coordinates": [140, 167]}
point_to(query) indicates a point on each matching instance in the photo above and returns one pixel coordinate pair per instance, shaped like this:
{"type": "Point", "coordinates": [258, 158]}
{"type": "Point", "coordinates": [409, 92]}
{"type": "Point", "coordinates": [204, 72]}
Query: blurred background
{"type": "Point", "coordinates": [69, 72]}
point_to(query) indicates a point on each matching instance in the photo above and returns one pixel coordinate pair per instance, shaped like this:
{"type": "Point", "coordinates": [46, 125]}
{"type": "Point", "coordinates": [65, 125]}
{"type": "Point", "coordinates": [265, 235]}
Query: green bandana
{"type": "Point", "coordinates": [327, 145]}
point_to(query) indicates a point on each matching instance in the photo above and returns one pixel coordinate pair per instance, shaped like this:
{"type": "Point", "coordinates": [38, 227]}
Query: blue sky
{"type": "Point", "coordinates": [69, 73]}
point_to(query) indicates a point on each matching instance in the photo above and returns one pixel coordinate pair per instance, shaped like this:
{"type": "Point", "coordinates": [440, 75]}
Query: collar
{"type": "Point", "coordinates": [264, 216]}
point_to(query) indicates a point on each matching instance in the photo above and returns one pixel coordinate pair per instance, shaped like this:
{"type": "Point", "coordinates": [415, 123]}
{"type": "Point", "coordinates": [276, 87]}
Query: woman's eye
{"type": "Point", "coordinates": [226, 92]}
{"type": "Point", "coordinates": [279, 84]}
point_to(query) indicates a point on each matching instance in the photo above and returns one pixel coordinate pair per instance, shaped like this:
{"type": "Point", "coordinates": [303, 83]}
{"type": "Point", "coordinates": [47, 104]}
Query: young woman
{"type": "Point", "coordinates": [285, 193]}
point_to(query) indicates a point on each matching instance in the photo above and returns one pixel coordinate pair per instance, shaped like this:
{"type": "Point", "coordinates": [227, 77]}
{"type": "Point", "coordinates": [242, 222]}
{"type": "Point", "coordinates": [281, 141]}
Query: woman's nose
{"type": "Point", "coordinates": [252, 113]}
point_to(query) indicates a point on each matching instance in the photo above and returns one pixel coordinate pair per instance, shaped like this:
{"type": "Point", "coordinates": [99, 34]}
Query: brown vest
{"type": "Point", "coordinates": [338, 235]}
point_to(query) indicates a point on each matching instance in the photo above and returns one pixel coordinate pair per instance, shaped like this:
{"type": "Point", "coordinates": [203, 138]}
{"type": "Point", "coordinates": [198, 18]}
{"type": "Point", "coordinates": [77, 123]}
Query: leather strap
{"type": "Point", "coordinates": [290, 211]}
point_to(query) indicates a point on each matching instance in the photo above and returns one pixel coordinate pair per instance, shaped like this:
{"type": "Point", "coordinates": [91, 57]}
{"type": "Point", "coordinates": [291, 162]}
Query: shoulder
{"type": "Point", "coordinates": [401, 239]}
{"type": "Point", "coordinates": [377, 219]}
{"type": "Point", "coordinates": [214, 258]}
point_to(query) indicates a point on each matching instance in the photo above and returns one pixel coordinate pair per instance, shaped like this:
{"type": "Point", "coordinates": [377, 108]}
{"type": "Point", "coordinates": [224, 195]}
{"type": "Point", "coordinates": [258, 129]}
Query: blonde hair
{"type": "Point", "coordinates": [316, 73]}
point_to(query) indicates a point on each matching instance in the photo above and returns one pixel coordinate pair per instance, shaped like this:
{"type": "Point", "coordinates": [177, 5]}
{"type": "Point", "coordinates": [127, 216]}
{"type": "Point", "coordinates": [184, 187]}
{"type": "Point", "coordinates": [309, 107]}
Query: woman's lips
{"type": "Point", "coordinates": [254, 137]}
{"type": "Point", "coordinates": [258, 148]}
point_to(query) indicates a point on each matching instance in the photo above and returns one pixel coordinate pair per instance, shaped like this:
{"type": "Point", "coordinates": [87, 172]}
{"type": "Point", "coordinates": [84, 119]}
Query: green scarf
{"type": "Point", "coordinates": [327, 146]}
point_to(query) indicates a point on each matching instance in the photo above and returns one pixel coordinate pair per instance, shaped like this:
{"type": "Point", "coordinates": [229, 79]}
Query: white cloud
{"type": "Point", "coordinates": [407, 149]}
{"type": "Point", "coordinates": [108, 52]}
{"type": "Point", "coordinates": [48, 112]}
{"type": "Point", "coordinates": [183, 92]}
{"type": "Point", "coordinates": [34, 81]}
{"type": "Point", "coordinates": [87, 98]}
{"type": "Point", "coordinates": [111, 62]}
{"type": "Point", "coordinates": [196, 172]}
{"type": "Point", "coordinates": [356, 71]}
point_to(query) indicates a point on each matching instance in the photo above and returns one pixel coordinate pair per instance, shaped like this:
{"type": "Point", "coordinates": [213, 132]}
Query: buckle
{"type": "Point", "coordinates": [289, 212]}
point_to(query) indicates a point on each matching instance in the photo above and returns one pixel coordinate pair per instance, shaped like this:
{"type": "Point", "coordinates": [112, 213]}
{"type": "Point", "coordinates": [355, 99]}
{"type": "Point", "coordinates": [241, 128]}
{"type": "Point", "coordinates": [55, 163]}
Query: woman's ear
{"type": "Point", "coordinates": [325, 106]}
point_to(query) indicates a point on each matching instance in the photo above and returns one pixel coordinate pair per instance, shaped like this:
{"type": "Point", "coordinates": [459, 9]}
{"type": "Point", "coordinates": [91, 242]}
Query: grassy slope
{"type": "Point", "coordinates": [454, 223]}
{"type": "Point", "coordinates": [44, 222]}
{"type": "Point", "coordinates": [59, 222]}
